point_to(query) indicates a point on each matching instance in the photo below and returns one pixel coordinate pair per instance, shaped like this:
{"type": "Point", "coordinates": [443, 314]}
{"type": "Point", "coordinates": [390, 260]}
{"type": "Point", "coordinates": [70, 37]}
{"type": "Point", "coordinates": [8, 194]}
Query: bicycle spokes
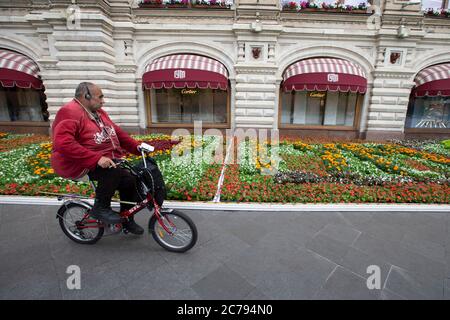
{"type": "Point", "coordinates": [181, 235]}
{"type": "Point", "coordinates": [77, 225]}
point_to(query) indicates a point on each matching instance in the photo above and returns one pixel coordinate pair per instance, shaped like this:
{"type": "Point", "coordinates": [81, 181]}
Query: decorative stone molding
{"type": "Point", "coordinates": [241, 51]}
{"type": "Point", "coordinates": [125, 68]}
{"type": "Point", "coordinates": [370, 51]}
{"type": "Point", "coordinates": [395, 57]}
{"type": "Point", "coordinates": [324, 18]}
{"type": "Point", "coordinates": [256, 52]}
{"type": "Point", "coordinates": [249, 14]}
{"type": "Point", "coordinates": [128, 48]}
{"type": "Point", "coordinates": [48, 64]}
{"type": "Point", "coordinates": [380, 56]}
{"type": "Point", "coordinates": [393, 75]}
{"type": "Point", "coordinates": [157, 19]}
{"type": "Point", "coordinates": [101, 5]}
{"type": "Point", "coordinates": [271, 52]}
{"type": "Point", "coordinates": [255, 70]}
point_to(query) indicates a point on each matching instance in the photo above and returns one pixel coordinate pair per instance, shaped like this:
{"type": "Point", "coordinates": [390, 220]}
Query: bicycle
{"type": "Point", "coordinates": [171, 229]}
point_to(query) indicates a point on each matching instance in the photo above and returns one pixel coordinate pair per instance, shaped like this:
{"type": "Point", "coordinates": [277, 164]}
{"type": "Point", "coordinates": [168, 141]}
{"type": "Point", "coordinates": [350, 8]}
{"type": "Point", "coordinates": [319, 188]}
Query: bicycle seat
{"type": "Point", "coordinates": [85, 178]}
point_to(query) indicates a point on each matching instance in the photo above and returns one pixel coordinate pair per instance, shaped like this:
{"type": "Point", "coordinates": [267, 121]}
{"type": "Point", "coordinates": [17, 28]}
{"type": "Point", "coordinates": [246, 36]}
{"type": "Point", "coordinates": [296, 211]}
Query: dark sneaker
{"type": "Point", "coordinates": [133, 227]}
{"type": "Point", "coordinates": [105, 215]}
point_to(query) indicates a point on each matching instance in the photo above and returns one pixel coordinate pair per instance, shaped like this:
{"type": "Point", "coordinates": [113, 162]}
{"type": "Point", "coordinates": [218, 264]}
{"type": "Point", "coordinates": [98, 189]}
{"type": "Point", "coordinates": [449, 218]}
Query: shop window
{"type": "Point", "coordinates": [188, 105]}
{"type": "Point", "coordinates": [429, 113]}
{"type": "Point", "coordinates": [319, 108]}
{"type": "Point", "coordinates": [18, 104]}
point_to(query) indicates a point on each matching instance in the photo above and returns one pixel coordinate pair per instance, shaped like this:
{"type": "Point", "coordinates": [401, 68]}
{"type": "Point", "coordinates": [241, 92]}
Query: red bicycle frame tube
{"type": "Point", "coordinates": [131, 212]}
{"type": "Point", "coordinates": [138, 207]}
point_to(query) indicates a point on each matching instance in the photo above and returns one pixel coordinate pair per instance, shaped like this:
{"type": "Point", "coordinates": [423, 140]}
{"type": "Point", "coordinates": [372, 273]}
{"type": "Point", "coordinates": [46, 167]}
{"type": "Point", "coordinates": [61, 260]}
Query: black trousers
{"type": "Point", "coordinates": [112, 179]}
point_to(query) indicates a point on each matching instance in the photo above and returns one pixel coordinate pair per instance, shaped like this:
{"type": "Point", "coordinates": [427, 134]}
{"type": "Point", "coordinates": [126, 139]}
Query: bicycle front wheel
{"type": "Point", "coordinates": [183, 232]}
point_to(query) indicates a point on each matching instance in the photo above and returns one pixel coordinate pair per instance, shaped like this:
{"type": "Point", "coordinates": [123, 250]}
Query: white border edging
{"type": "Point", "coordinates": [229, 206]}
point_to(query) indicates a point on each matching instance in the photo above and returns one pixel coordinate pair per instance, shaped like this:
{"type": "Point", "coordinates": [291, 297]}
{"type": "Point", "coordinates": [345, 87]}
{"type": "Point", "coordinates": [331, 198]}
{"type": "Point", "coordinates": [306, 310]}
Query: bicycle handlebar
{"type": "Point", "coordinates": [142, 148]}
{"type": "Point", "coordinates": [146, 147]}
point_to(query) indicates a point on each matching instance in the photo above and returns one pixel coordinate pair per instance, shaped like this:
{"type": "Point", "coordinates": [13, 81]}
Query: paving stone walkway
{"type": "Point", "coordinates": [239, 255]}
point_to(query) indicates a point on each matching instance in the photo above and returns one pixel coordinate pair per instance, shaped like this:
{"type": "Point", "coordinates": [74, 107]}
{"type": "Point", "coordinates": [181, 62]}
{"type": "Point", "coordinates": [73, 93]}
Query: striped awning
{"type": "Point", "coordinates": [185, 71]}
{"type": "Point", "coordinates": [325, 74]}
{"type": "Point", "coordinates": [17, 70]}
{"type": "Point", "coordinates": [433, 81]}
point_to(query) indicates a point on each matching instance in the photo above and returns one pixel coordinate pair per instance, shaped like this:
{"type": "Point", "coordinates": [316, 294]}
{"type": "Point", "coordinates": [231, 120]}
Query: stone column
{"type": "Point", "coordinates": [389, 103]}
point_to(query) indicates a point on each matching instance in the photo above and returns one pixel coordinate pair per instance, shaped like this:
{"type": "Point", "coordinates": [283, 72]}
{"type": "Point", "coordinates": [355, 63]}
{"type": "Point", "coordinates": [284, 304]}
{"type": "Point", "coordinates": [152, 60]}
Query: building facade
{"type": "Point", "coordinates": [374, 73]}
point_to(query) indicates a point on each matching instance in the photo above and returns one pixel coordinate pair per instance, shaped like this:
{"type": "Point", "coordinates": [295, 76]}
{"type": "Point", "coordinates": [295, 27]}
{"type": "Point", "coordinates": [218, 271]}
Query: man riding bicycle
{"type": "Point", "coordinates": [85, 141]}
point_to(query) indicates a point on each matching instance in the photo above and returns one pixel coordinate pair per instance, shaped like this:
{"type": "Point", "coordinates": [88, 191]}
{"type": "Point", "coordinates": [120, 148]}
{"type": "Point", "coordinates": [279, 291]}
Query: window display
{"type": "Point", "coordinates": [17, 104]}
{"type": "Point", "coordinates": [188, 105]}
{"type": "Point", "coordinates": [319, 108]}
{"type": "Point", "coordinates": [429, 113]}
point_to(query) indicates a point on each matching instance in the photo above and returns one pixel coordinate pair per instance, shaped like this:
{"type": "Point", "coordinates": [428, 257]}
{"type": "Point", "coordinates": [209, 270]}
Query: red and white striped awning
{"type": "Point", "coordinates": [325, 74]}
{"type": "Point", "coordinates": [185, 71]}
{"type": "Point", "coordinates": [433, 81]}
{"type": "Point", "coordinates": [18, 70]}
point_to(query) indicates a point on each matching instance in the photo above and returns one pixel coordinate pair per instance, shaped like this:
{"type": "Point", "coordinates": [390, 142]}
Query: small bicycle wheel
{"type": "Point", "coordinates": [183, 234]}
{"type": "Point", "coordinates": [73, 219]}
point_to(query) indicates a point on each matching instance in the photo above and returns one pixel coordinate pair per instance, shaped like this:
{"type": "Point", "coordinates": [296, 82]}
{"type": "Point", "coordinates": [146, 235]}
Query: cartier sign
{"type": "Point", "coordinates": [188, 91]}
{"type": "Point", "coordinates": [317, 94]}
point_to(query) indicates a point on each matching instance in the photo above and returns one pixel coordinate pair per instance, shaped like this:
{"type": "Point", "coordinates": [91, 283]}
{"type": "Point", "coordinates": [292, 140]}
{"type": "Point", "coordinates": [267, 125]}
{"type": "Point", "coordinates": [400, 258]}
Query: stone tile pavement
{"type": "Point", "coordinates": [239, 255]}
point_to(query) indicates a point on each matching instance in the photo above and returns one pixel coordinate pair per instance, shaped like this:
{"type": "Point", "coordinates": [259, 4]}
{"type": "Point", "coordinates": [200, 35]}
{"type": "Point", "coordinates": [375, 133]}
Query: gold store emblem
{"type": "Point", "coordinates": [317, 94]}
{"type": "Point", "coordinates": [186, 91]}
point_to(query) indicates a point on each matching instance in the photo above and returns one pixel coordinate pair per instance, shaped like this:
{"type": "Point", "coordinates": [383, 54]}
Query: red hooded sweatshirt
{"type": "Point", "coordinates": [79, 141]}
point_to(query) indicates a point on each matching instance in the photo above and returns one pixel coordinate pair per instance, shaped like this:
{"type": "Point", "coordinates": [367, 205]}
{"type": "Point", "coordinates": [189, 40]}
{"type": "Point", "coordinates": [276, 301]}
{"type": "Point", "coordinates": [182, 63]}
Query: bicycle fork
{"type": "Point", "coordinates": [161, 218]}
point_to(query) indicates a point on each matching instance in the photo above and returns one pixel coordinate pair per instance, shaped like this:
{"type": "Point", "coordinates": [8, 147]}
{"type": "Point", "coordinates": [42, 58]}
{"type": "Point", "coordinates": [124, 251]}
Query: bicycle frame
{"type": "Point", "coordinates": [93, 223]}
{"type": "Point", "coordinates": [128, 213]}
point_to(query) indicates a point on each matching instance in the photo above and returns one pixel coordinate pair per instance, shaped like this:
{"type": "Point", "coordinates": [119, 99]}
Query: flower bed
{"type": "Point", "coordinates": [201, 4]}
{"type": "Point", "coordinates": [212, 4]}
{"type": "Point", "coordinates": [26, 170]}
{"type": "Point", "coordinates": [164, 3]}
{"type": "Point", "coordinates": [306, 6]}
{"type": "Point", "coordinates": [266, 190]}
{"type": "Point", "coordinates": [14, 141]}
{"type": "Point", "coordinates": [341, 172]}
{"type": "Point", "coordinates": [293, 171]}
{"type": "Point", "coordinates": [437, 13]}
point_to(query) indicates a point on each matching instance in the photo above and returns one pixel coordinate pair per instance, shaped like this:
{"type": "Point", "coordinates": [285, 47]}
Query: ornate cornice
{"type": "Point", "coordinates": [394, 74]}
{"type": "Point", "coordinates": [48, 64]}
{"type": "Point", "coordinates": [142, 16]}
{"type": "Point", "coordinates": [102, 5]}
{"type": "Point", "coordinates": [155, 19]}
{"type": "Point", "coordinates": [125, 68]}
{"type": "Point", "coordinates": [257, 69]}
{"type": "Point", "coordinates": [323, 18]}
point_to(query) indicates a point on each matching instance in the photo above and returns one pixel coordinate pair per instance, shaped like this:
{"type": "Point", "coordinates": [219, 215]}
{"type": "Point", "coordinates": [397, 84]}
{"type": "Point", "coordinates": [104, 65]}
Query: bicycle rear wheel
{"type": "Point", "coordinates": [77, 225]}
{"type": "Point", "coordinates": [183, 234]}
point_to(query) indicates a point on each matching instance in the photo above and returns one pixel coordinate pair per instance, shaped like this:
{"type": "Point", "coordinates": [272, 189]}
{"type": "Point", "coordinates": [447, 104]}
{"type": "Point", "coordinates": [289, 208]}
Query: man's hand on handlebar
{"type": "Point", "coordinates": [106, 162]}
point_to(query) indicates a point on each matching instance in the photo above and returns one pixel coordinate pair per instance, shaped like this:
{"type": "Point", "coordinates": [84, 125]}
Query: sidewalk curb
{"type": "Point", "coordinates": [232, 206]}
